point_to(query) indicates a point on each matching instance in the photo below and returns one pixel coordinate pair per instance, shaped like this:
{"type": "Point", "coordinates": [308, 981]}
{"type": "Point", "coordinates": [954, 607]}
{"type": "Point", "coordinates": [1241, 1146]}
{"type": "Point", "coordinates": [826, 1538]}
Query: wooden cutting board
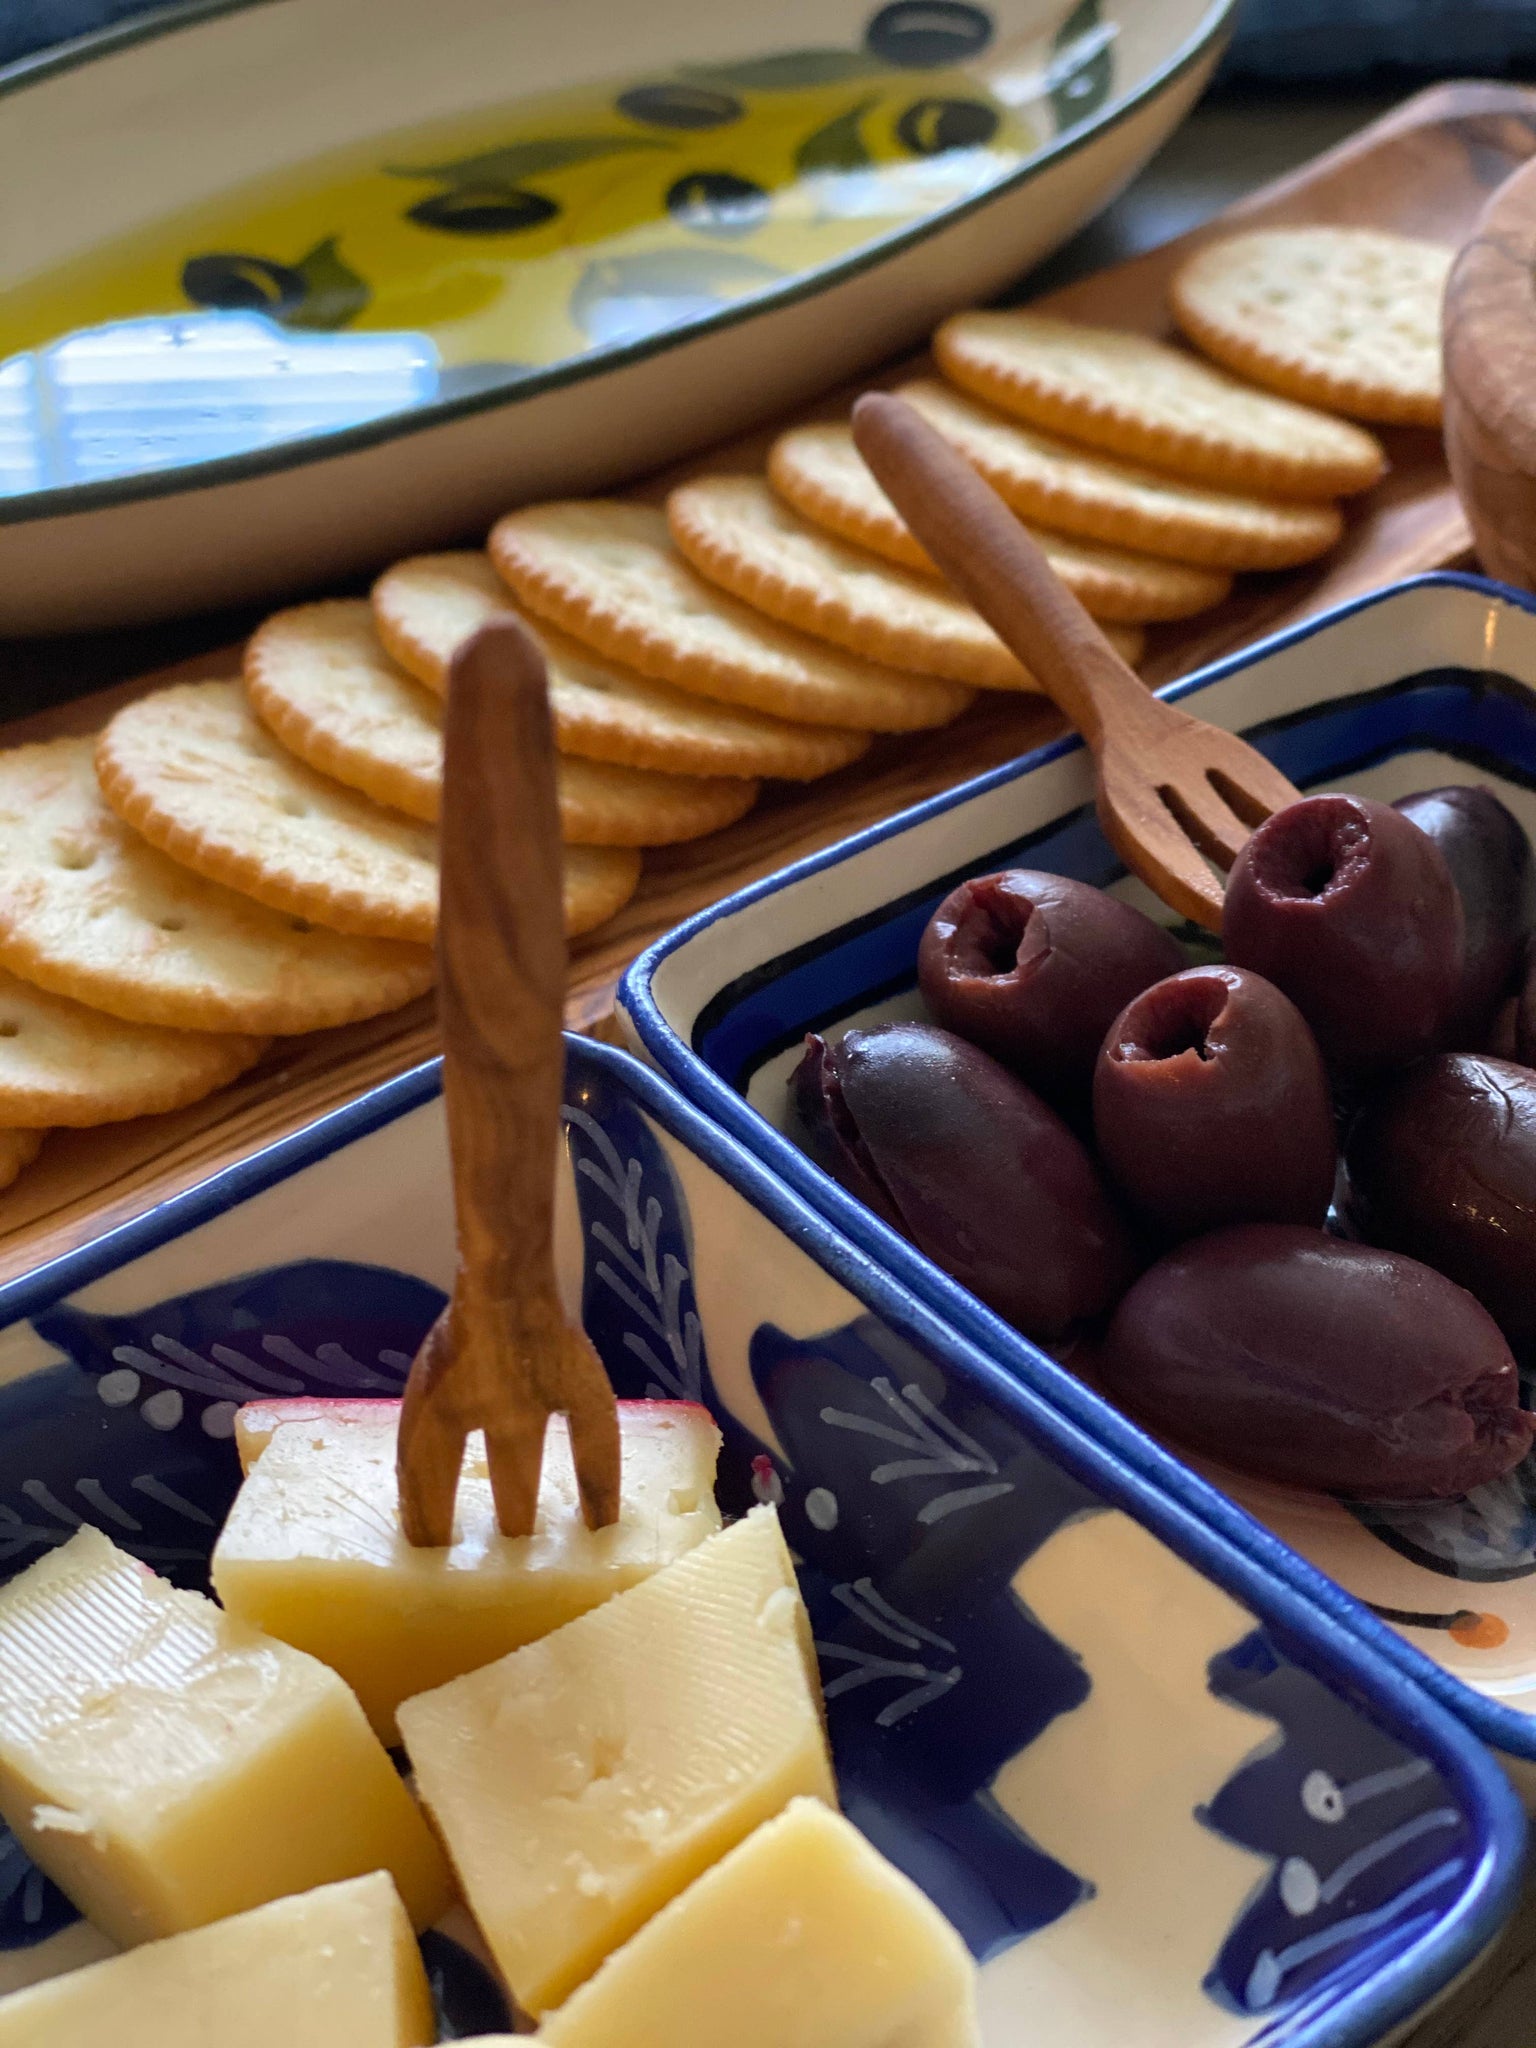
{"type": "Point", "coordinates": [1426, 169]}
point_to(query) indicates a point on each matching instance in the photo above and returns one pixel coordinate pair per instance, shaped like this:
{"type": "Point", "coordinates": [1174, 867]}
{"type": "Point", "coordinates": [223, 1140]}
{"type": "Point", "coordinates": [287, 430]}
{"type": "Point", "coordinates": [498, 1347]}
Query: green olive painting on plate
{"type": "Point", "coordinates": [533, 232]}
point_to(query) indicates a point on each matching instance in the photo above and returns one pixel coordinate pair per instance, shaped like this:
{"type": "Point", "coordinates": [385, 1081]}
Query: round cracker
{"type": "Point", "coordinates": [602, 804]}
{"type": "Point", "coordinates": [1075, 490]}
{"type": "Point", "coordinates": [606, 572]}
{"type": "Point", "coordinates": [819, 471]}
{"type": "Point", "coordinates": [598, 880]}
{"type": "Point", "coordinates": [1347, 317]}
{"type": "Point", "coordinates": [426, 607]}
{"type": "Point", "coordinates": [1142, 399]}
{"type": "Point", "coordinates": [318, 677]}
{"type": "Point", "coordinates": [18, 1149]}
{"type": "Point", "coordinates": [61, 1063]}
{"type": "Point", "coordinates": [196, 773]}
{"type": "Point", "coordinates": [736, 532]}
{"type": "Point", "coordinates": [89, 909]}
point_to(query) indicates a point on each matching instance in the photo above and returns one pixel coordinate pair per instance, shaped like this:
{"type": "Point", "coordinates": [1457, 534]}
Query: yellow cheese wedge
{"type": "Point", "coordinates": [803, 1934]}
{"type": "Point", "coordinates": [166, 1765]}
{"type": "Point", "coordinates": [583, 1781]}
{"type": "Point", "coordinates": [312, 1550]}
{"type": "Point", "coordinates": [330, 1967]}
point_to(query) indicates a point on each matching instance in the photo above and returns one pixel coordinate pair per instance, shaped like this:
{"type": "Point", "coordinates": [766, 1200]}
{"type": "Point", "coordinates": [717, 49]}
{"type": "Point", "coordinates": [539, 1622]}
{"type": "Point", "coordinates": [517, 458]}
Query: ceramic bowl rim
{"type": "Point", "coordinates": [1502, 1727]}
{"type": "Point", "coordinates": [56, 503]}
{"type": "Point", "coordinates": [1358, 2015]}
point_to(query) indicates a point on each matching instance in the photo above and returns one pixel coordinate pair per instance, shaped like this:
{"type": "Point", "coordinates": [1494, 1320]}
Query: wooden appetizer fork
{"type": "Point", "coordinates": [502, 1357]}
{"type": "Point", "coordinates": [1174, 793]}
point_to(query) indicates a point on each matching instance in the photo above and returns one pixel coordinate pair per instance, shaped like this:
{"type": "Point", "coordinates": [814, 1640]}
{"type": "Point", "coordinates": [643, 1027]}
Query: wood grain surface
{"type": "Point", "coordinates": [1427, 168]}
{"type": "Point", "coordinates": [1490, 381]}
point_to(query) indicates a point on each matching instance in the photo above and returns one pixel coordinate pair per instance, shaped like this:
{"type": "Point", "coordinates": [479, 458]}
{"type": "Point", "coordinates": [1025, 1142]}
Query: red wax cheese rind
{"type": "Point", "coordinates": [256, 1420]}
{"type": "Point", "coordinates": [313, 1553]}
{"type": "Point", "coordinates": [1319, 1363]}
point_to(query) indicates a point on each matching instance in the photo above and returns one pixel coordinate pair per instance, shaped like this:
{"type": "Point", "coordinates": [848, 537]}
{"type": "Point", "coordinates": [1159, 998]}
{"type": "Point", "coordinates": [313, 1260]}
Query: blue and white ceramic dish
{"type": "Point", "coordinates": [336, 214]}
{"type": "Point", "coordinates": [1431, 682]}
{"type": "Point", "coordinates": [1160, 1794]}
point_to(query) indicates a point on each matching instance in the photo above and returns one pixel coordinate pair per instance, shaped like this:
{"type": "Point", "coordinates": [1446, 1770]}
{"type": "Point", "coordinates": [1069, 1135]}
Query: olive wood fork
{"type": "Point", "coordinates": [502, 1357]}
{"type": "Point", "coordinates": [1174, 793]}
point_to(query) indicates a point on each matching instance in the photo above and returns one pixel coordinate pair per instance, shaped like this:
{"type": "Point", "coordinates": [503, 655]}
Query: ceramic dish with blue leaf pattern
{"type": "Point", "coordinates": [1430, 683]}
{"type": "Point", "coordinates": [1154, 1788]}
{"type": "Point", "coordinates": [303, 285]}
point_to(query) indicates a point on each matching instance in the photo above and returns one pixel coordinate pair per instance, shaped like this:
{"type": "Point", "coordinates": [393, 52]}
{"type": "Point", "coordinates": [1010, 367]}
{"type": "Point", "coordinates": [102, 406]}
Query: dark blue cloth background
{"type": "Point", "coordinates": [1276, 39]}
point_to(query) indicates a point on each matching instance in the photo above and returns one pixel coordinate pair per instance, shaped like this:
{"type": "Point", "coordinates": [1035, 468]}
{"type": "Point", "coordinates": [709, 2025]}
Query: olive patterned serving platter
{"type": "Point", "coordinates": [1150, 1783]}
{"type": "Point", "coordinates": [307, 283]}
{"type": "Point", "coordinates": [1432, 681]}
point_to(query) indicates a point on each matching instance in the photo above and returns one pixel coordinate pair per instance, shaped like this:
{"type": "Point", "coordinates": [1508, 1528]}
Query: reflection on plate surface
{"type": "Point", "coordinates": [524, 235]}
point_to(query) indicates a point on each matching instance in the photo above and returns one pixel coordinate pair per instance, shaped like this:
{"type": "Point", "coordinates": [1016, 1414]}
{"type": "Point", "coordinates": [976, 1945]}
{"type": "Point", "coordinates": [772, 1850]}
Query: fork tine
{"type": "Point", "coordinates": [1148, 838]}
{"type": "Point", "coordinates": [1253, 787]}
{"type": "Point", "coordinates": [1206, 817]}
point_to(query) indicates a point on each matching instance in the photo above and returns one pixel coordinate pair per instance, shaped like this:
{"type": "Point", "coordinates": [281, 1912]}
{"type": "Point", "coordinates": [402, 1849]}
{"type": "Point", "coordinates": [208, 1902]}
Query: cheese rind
{"type": "Point", "coordinates": [331, 1966]}
{"type": "Point", "coordinates": [804, 1933]}
{"type": "Point", "coordinates": [583, 1781]}
{"type": "Point", "coordinates": [167, 1765]}
{"type": "Point", "coordinates": [313, 1553]}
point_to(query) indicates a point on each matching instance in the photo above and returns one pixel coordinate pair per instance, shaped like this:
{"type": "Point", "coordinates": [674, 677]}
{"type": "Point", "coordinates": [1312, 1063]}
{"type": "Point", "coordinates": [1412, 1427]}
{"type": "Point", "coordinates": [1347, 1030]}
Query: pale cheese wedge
{"type": "Point", "coordinates": [332, 1966]}
{"type": "Point", "coordinates": [583, 1781]}
{"type": "Point", "coordinates": [805, 1935]}
{"type": "Point", "coordinates": [313, 1552]}
{"type": "Point", "coordinates": [166, 1765]}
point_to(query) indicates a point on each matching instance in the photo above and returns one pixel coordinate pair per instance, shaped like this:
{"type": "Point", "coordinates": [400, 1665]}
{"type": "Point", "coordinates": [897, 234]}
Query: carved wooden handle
{"type": "Point", "coordinates": [501, 1357]}
{"type": "Point", "coordinates": [502, 961]}
{"type": "Point", "coordinates": [995, 563]}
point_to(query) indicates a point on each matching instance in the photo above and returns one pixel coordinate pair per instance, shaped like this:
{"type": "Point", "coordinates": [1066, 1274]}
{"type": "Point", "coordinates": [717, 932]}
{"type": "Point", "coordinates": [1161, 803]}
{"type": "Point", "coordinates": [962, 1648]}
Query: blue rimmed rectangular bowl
{"type": "Point", "coordinates": [1430, 682]}
{"type": "Point", "coordinates": [1140, 1773]}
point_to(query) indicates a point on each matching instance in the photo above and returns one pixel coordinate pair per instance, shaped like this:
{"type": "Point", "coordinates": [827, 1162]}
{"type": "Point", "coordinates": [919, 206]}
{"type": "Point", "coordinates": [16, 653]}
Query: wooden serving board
{"type": "Point", "coordinates": [1425, 169]}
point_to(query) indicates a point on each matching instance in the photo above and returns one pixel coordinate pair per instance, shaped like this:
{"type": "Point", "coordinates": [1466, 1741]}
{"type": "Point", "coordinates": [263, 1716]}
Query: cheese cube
{"type": "Point", "coordinates": [803, 1934]}
{"type": "Point", "coordinates": [583, 1781]}
{"type": "Point", "coordinates": [330, 1967]}
{"type": "Point", "coordinates": [312, 1551]}
{"type": "Point", "coordinates": [166, 1765]}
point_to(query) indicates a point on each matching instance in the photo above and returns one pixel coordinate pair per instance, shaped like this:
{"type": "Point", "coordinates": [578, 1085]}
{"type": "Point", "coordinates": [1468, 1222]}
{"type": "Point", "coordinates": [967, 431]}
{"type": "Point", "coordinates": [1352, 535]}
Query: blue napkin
{"type": "Point", "coordinates": [1340, 39]}
{"type": "Point", "coordinates": [1278, 39]}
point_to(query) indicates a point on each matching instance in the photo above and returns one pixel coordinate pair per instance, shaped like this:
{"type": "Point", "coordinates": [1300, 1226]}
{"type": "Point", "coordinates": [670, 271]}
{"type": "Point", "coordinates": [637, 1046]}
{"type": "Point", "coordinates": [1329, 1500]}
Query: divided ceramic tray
{"type": "Point", "coordinates": [1426, 168]}
{"type": "Point", "coordinates": [1161, 1795]}
{"type": "Point", "coordinates": [1428, 683]}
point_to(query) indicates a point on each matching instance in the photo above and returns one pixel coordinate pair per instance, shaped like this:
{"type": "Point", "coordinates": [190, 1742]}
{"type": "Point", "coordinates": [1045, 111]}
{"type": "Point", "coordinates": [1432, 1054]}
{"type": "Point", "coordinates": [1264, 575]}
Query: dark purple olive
{"type": "Point", "coordinates": [970, 1164]}
{"type": "Point", "coordinates": [1301, 1358]}
{"type": "Point", "coordinates": [1211, 1105]}
{"type": "Point", "coordinates": [1352, 912]}
{"type": "Point", "coordinates": [1489, 856]}
{"type": "Point", "coordinates": [1034, 968]}
{"type": "Point", "coordinates": [1442, 1165]}
{"type": "Point", "coordinates": [1523, 1022]}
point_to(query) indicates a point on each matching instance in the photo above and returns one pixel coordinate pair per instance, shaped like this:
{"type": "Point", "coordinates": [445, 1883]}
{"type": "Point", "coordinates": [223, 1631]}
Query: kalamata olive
{"type": "Point", "coordinates": [1490, 860]}
{"type": "Point", "coordinates": [1034, 968]}
{"type": "Point", "coordinates": [962, 1158]}
{"type": "Point", "coordinates": [1523, 1023]}
{"type": "Point", "coordinates": [1442, 1165]}
{"type": "Point", "coordinates": [1302, 1358]}
{"type": "Point", "coordinates": [1352, 912]}
{"type": "Point", "coordinates": [1211, 1105]}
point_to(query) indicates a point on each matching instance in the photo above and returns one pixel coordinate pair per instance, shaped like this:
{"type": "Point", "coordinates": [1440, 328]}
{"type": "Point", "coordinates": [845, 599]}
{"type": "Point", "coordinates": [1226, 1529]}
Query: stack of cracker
{"type": "Point", "coordinates": [229, 861]}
